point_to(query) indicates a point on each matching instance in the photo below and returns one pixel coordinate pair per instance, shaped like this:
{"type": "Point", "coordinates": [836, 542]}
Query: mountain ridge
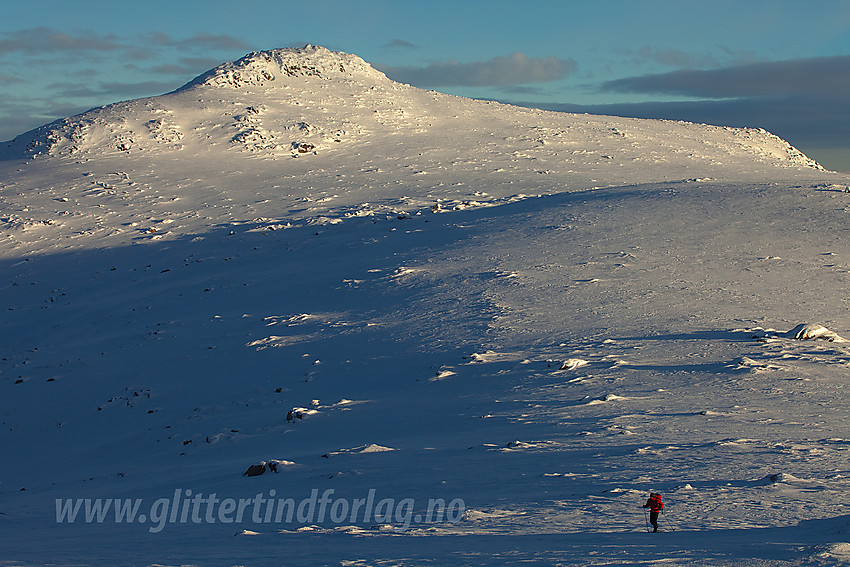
{"type": "Point", "coordinates": [322, 137]}
{"type": "Point", "coordinates": [286, 81]}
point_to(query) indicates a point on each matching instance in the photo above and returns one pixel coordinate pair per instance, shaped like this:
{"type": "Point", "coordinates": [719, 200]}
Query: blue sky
{"type": "Point", "coordinates": [781, 65]}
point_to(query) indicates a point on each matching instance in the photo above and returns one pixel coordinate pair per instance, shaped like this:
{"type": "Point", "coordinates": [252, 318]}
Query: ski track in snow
{"type": "Point", "coordinates": [294, 260]}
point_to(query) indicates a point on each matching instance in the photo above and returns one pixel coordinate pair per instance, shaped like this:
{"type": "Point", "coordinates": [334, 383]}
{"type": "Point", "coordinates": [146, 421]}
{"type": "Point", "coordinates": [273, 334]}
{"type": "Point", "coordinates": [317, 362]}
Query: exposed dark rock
{"type": "Point", "coordinates": [255, 470]}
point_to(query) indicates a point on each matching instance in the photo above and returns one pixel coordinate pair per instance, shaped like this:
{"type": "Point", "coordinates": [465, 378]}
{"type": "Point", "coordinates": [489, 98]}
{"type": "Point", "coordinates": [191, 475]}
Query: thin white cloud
{"type": "Point", "coordinates": [515, 69]}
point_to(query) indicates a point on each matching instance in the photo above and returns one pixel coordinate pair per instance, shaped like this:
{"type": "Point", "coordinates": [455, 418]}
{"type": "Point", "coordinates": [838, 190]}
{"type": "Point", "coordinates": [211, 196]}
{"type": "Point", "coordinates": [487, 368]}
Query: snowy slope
{"type": "Point", "coordinates": [224, 147]}
{"type": "Point", "coordinates": [294, 259]}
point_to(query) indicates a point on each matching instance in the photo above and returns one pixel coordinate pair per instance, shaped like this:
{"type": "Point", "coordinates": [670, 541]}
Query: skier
{"type": "Point", "coordinates": [655, 506]}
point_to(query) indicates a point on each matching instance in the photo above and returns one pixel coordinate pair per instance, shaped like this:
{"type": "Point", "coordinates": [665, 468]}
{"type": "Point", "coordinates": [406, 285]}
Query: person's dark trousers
{"type": "Point", "coordinates": [653, 519]}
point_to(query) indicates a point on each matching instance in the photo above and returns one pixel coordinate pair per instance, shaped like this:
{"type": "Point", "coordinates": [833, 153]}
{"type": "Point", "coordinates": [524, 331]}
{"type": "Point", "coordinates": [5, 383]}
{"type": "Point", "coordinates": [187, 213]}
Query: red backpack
{"type": "Point", "coordinates": [655, 503]}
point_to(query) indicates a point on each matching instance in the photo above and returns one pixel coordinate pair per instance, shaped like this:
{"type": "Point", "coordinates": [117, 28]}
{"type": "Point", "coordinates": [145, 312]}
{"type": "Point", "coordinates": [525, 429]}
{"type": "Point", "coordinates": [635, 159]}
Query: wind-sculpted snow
{"type": "Point", "coordinates": [328, 287]}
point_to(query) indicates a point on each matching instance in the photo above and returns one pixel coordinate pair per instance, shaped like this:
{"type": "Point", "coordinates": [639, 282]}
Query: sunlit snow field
{"type": "Point", "coordinates": [392, 294]}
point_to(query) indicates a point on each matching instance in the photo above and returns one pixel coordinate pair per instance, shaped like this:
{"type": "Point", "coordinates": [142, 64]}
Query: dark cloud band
{"type": "Point", "coordinates": [47, 40]}
{"type": "Point", "coordinates": [821, 75]}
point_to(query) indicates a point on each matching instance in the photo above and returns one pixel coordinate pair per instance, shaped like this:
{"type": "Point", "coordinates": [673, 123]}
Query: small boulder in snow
{"type": "Point", "coordinates": [369, 448]}
{"type": "Point", "coordinates": [273, 465]}
{"type": "Point", "coordinates": [573, 363]}
{"type": "Point", "coordinates": [808, 331]}
{"type": "Point", "coordinates": [779, 478]}
{"type": "Point", "coordinates": [255, 470]}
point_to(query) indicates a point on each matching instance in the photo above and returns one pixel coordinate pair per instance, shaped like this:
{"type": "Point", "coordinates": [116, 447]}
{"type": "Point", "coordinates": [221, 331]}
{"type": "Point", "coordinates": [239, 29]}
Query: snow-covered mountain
{"type": "Point", "coordinates": [383, 292]}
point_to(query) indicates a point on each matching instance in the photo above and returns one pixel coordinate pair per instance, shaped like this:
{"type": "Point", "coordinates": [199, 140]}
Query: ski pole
{"type": "Point", "coordinates": [669, 521]}
{"type": "Point", "coordinates": [646, 520]}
